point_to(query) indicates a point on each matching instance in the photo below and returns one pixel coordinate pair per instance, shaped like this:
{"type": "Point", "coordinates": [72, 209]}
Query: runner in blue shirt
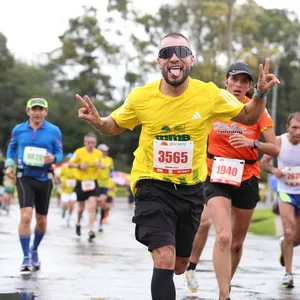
{"type": "Point", "coordinates": [36, 144]}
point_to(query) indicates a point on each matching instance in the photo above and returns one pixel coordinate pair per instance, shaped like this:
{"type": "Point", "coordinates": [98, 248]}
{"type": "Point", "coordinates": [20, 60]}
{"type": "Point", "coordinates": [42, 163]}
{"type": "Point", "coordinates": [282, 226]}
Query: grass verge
{"type": "Point", "coordinates": [263, 222]}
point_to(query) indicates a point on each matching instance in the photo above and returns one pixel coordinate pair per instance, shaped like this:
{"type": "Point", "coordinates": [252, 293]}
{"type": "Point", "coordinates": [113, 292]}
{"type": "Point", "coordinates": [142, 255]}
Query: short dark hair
{"type": "Point", "coordinates": [176, 35]}
{"type": "Point", "coordinates": [294, 115]}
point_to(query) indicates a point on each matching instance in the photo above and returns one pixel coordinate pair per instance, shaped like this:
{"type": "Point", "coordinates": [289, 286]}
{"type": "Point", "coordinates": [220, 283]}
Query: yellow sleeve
{"type": "Point", "coordinates": [76, 157]}
{"type": "Point", "coordinates": [226, 106]}
{"type": "Point", "coordinates": [125, 116]}
{"type": "Point", "coordinates": [112, 166]}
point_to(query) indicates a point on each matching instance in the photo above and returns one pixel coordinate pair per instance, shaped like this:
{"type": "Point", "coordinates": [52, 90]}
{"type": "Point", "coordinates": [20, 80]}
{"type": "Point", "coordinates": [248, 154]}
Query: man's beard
{"type": "Point", "coordinates": [295, 141]}
{"type": "Point", "coordinates": [176, 83]}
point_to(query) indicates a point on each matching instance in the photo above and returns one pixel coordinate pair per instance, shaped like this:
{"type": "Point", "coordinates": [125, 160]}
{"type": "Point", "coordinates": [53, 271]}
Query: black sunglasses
{"type": "Point", "coordinates": [180, 51]}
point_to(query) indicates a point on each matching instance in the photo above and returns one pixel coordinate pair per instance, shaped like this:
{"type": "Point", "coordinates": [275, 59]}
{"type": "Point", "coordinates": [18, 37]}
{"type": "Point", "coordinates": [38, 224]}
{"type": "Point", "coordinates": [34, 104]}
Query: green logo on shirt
{"type": "Point", "coordinates": [165, 128]}
{"type": "Point", "coordinates": [174, 137]}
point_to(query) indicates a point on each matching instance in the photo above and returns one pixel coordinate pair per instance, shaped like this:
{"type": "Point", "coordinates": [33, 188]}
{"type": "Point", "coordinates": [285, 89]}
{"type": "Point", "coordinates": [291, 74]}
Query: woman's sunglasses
{"type": "Point", "coordinates": [180, 51]}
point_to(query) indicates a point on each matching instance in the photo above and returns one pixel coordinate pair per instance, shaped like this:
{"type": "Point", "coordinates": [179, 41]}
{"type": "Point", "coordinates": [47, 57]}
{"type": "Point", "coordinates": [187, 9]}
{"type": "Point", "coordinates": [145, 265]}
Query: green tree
{"type": "Point", "coordinates": [79, 63]}
{"type": "Point", "coordinates": [18, 82]}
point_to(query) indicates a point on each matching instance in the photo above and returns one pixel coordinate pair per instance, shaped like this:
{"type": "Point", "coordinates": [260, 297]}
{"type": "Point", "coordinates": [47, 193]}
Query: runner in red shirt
{"type": "Point", "coordinates": [231, 190]}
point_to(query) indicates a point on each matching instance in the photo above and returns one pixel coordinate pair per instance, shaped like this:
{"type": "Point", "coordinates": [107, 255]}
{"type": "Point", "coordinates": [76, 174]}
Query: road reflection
{"type": "Point", "coordinates": [18, 296]}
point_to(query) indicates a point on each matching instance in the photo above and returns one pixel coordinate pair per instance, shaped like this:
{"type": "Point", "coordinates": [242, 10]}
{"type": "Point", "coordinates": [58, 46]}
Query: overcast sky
{"type": "Point", "coordinates": [33, 26]}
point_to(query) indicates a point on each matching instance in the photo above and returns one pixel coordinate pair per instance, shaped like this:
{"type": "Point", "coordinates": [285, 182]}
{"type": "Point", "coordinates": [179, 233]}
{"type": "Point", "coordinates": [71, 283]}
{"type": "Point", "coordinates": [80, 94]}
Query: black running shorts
{"type": "Point", "coordinates": [81, 195]}
{"type": "Point", "coordinates": [244, 196]}
{"type": "Point", "coordinates": [34, 193]}
{"type": "Point", "coordinates": [167, 214]}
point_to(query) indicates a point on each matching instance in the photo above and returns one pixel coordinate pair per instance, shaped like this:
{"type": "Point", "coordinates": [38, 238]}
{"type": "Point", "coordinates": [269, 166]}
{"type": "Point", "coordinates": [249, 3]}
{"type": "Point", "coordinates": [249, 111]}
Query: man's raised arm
{"type": "Point", "coordinates": [89, 113]}
{"type": "Point", "coordinates": [253, 110]}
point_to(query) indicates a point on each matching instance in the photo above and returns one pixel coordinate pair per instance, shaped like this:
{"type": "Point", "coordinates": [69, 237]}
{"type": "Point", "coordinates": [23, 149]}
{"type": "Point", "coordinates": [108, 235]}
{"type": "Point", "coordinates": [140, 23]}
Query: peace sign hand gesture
{"type": "Point", "coordinates": [265, 80]}
{"type": "Point", "coordinates": [88, 112]}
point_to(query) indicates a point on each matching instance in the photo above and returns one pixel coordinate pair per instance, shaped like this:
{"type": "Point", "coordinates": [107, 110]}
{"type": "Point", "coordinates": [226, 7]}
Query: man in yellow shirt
{"type": "Point", "coordinates": [67, 182]}
{"type": "Point", "coordinates": [87, 160]}
{"type": "Point", "coordinates": [103, 182]}
{"type": "Point", "coordinates": [169, 169]}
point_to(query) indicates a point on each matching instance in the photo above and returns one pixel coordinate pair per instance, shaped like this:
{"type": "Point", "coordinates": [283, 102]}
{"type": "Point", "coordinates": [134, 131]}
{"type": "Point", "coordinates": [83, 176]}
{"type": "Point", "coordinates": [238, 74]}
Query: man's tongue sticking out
{"type": "Point", "coordinates": [175, 71]}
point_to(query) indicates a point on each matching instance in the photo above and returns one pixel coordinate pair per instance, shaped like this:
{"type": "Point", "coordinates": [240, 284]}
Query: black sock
{"type": "Point", "coordinates": [162, 285]}
{"type": "Point", "coordinates": [191, 266]}
{"type": "Point", "coordinates": [102, 215]}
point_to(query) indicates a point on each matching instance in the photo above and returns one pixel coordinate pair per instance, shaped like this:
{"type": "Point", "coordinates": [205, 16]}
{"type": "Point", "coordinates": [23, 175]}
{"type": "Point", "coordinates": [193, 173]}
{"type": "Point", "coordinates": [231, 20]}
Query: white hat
{"type": "Point", "coordinates": [103, 147]}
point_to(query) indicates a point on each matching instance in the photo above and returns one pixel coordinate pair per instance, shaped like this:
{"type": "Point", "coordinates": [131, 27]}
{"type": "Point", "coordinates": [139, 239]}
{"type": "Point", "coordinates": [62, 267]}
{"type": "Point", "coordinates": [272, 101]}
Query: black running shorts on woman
{"type": "Point", "coordinates": [244, 196]}
{"type": "Point", "coordinates": [34, 193]}
{"type": "Point", "coordinates": [167, 214]}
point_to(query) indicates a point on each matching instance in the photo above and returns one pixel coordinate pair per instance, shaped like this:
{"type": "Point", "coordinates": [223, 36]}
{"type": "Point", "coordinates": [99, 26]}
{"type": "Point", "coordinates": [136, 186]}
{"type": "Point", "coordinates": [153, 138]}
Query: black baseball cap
{"type": "Point", "coordinates": [239, 67]}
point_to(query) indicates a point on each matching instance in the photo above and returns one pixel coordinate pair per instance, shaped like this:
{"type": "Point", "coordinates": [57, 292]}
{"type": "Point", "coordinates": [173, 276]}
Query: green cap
{"type": "Point", "coordinates": [37, 102]}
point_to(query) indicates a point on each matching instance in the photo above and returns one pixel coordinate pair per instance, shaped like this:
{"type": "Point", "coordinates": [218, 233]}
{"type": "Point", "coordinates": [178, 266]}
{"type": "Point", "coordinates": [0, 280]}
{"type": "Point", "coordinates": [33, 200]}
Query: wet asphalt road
{"type": "Point", "coordinates": [116, 267]}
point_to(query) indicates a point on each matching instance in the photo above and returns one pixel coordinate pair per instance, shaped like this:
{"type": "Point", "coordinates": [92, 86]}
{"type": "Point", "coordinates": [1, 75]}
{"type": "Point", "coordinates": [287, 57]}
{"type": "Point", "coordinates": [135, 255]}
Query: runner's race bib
{"type": "Point", "coordinates": [34, 156]}
{"type": "Point", "coordinates": [292, 176]}
{"type": "Point", "coordinates": [88, 185]}
{"type": "Point", "coordinates": [70, 183]}
{"type": "Point", "coordinates": [173, 157]}
{"type": "Point", "coordinates": [8, 183]}
{"type": "Point", "coordinates": [227, 170]}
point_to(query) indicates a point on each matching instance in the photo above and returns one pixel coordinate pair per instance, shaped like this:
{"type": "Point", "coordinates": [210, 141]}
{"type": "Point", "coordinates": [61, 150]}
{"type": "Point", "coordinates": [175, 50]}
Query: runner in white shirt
{"type": "Point", "coordinates": [288, 175]}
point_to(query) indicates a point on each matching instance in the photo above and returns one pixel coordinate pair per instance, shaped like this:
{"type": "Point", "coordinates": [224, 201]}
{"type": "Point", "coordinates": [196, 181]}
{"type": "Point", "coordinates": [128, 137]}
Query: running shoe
{"type": "Point", "coordinates": [91, 235]}
{"type": "Point", "coordinates": [6, 209]}
{"type": "Point", "coordinates": [35, 262]}
{"type": "Point", "coordinates": [288, 281]}
{"type": "Point", "coordinates": [281, 257]}
{"type": "Point", "coordinates": [191, 281]}
{"type": "Point", "coordinates": [100, 227]}
{"type": "Point", "coordinates": [26, 267]}
{"type": "Point", "coordinates": [78, 229]}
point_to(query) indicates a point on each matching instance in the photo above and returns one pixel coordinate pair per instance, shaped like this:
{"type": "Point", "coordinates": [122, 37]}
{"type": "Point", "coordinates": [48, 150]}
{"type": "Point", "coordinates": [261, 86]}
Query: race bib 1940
{"type": "Point", "coordinates": [34, 156]}
{"type": "Point", "coordinates": [292, 176]}
{"type": "Point", "coordinates": [173, 157]}
{"type": "Point", "coordinates": [227, 170]}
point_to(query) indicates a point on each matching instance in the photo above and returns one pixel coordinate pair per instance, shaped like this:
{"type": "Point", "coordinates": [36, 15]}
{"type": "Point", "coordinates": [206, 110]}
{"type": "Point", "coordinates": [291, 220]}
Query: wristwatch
{"type": "Point", "coordinates": [255, 144]}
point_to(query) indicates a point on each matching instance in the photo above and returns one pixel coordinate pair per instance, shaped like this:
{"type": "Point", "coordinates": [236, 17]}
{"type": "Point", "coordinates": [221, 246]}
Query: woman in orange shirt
{"type": "Point", "coordinates": [231, 190]}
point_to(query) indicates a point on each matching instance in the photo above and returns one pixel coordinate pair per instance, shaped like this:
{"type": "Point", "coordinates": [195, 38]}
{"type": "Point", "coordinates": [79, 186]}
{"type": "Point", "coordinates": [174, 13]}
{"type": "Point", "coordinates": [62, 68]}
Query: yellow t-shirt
{"type": "Point", "coordinates": [104, 174]}
{"type": "Point", "coordinates": [80, 156]}
{"type": "Point", "coordinates": [67, 179]}
{"type": "Point", "coordinates": [172, 144]}
{"type": "Point", "coordinates": [112, 188]}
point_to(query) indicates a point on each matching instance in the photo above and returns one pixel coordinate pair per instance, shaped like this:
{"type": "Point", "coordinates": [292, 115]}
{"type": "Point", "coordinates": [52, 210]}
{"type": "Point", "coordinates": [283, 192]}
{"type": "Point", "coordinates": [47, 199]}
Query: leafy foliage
{"type": "Point", "coordinates": [92, 54]}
